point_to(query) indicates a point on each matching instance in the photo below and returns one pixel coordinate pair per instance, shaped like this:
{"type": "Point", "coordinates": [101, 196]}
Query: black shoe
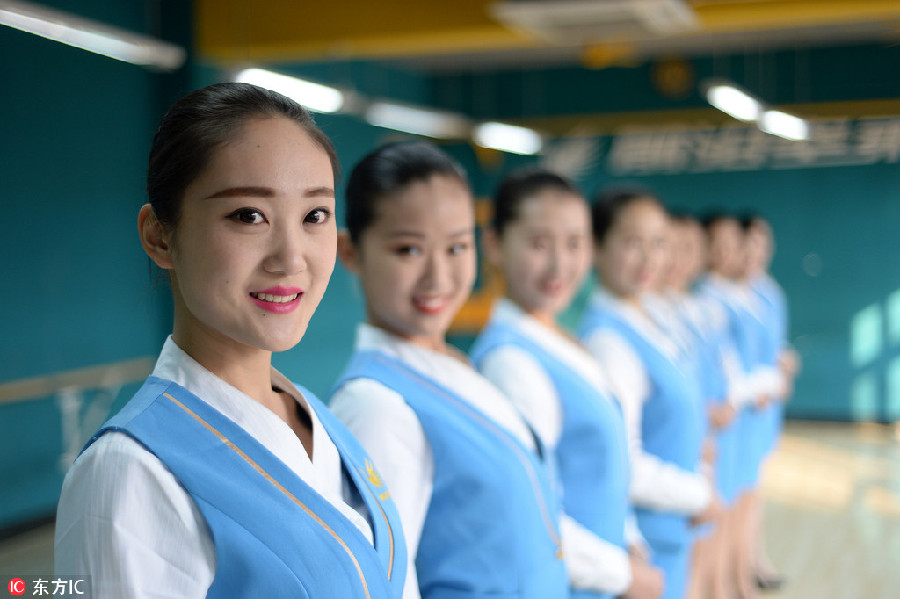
{"type": "Point", "coordinates": [771, 583]}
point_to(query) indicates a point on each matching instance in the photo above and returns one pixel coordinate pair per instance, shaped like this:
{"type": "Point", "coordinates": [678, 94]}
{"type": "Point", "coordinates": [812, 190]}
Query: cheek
{"type": "Point", "coordinates": [528, 265]}
{"type": "Point", "coordinates": [466, 270]}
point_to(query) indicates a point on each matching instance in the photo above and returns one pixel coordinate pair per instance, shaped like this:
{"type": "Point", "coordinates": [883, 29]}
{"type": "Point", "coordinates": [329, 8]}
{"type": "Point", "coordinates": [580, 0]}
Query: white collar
{"type": "Point", "coordinates": [564, 349]}
{"type": "Point", "coordinates": [640, 322]}
{"type": "Point", "coordinates": [457, 376]}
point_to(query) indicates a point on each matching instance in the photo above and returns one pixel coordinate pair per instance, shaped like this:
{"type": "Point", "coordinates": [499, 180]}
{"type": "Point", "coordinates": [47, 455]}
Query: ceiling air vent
{"type": "Point", "coordinates": [570, 22]}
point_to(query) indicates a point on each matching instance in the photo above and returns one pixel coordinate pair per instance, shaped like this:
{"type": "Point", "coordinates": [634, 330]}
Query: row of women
{"type": "Point", "coordinates": [541, 466]}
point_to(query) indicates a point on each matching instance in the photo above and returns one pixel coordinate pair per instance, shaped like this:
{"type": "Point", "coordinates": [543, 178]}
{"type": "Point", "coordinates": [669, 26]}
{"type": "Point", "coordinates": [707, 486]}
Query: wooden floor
{"type": "Point", "coordinates": [832, 515]}
{"type": "Point", "coordinates": [833, 511]}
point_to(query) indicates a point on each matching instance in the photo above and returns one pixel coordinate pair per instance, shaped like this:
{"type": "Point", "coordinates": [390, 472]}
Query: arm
{"type": "Point", "coordinates": [591, 562]}
{"type": "Point", "coordinates": [391, 434]}
{"type": "Point", "coordinates": [655, 484]}
{"type": "Point", "coordinates": [124, 520]}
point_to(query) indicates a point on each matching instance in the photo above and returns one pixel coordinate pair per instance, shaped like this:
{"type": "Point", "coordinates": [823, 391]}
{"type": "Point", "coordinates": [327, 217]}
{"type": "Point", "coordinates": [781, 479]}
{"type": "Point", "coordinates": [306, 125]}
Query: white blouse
{"type": "Point", "coordinates": [655, 483]}
{"type": "Point", "coordinates": [126, 521]}
{"type": "Point", "coordinates": [392, 435]}
{"type": "Point", "coordinates": [529, 388]}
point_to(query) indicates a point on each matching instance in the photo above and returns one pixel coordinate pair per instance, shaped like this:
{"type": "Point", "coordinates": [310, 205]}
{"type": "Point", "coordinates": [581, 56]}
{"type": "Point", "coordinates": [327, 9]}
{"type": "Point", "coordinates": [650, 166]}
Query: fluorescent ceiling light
{"type": "Point", "coordinates": [784, 125]}
{"type": "Point", "coordinates": [417, 120]}
{"type": "Point", "coordinates": [733, 101]}
{"type": "Point", "coordinates": [314, 96]}
{"type": "Point", "coordinates": [508, 138]}
{"type": "Point", "coordinates": [91, 35]}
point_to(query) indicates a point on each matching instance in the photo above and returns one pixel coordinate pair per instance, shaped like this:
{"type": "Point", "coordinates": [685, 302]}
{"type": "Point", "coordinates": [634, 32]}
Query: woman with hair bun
{"type": "Point", "coordinates": [220, 477]}
{"type": "Point", "coordinates": [470, 479]}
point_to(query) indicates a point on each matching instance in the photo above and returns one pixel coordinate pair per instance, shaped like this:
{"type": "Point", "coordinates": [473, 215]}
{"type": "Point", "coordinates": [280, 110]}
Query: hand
{"type": "Point", "coordinates": [762, 401]}
{"type": "Point", "coordinates": [711, 513]}
{"type": "Point", "coordinates": [646, 580]}
{"type": "Point", "coordinates": [639, 551]}
{"type": "Point", "coordinates": [708, 452]}
{"type": "Point", "coordinates": [721, 414]}
{"type": "Point", "coordinates": [789, 361]}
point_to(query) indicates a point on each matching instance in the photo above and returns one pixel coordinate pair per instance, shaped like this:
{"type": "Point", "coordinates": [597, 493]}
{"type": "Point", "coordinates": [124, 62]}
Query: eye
{"type": "Point", "coordinates": [458, 248]}
{"type": "Point", "coordinates": [248, 216]}
{"type": "Point", "coordinates": [539, 243]}
{"type": "Point", "coordinates": [574, 243]}
{"type": "Point", "coordinates": [408, 250]}
{"type": "Point", "coordinates": [318, 216]}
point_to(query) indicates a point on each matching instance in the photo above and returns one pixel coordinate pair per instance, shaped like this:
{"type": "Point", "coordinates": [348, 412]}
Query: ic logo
{"type": "Point", "coordinates": [16, 586]}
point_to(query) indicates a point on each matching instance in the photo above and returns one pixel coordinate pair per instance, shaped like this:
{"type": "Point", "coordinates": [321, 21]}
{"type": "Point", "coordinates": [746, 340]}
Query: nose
{"type": "Point", "coordinates": [556, 257]}
{"type": "Point", "coordinates": [286, 252]}
{"type": "Point", "coordinates": [436, 271]}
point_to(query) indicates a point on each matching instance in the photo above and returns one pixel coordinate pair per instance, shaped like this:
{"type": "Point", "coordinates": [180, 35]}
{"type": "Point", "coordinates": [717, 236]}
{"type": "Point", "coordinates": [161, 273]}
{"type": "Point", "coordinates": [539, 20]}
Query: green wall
{"type": "Point", "coordinates": [78, 290]}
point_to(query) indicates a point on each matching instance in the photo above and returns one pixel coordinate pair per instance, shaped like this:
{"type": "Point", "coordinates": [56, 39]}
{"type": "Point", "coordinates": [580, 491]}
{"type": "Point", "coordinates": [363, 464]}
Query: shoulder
{"type": "Point", "coordinates": [607, 343]}
{"type": "Point", "coordinates": [117, 470]}
{"type": "Point", "coordinates": [365, 404]}
{"type": "Point", "coordinates": [124, 518]}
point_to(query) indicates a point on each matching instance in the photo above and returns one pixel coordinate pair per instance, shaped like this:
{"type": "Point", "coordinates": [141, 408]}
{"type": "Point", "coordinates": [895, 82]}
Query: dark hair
{"type": "Point", "coordinates": [388, 170]}
{"type": "Point", "coordinates": [609, 203]}
{"type": "Point", "coordinates": [679, 216]}
{"type": "Point", "coordinates": [202, 121]}
{"type": "Point", "coordinates": [711, 219]}
{"type": "Point", "coordinates": [520, 185]}
{"type": "Point", "coordinates": [749, 220]}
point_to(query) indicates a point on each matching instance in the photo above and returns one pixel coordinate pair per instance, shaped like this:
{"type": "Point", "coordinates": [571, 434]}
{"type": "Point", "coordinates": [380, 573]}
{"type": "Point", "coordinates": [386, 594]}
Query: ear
{"type": "Point", "coordinates": [492, 247]}
{"type": "Point", "coordinates": [154, 238]}
{"type": "Point", "coordinates": [347, 252]}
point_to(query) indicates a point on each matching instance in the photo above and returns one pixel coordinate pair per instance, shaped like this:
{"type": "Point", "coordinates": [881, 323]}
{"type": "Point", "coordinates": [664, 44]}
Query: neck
{"type": "Point", "coordinates": [435, 343]}
{"type": "Point", "coordinates": [247, 369]}
{"type": "Point", "coordinates": [544, 317]}
{"type": "Point", "coordinates": [630, 299]}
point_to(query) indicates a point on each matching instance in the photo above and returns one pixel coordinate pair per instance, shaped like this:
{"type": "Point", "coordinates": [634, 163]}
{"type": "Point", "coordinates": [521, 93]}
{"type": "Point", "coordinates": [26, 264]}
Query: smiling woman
{"type": "Point", "coordinates": [471, 484]}
{"type": "Point", "coordinates": [221, 477]}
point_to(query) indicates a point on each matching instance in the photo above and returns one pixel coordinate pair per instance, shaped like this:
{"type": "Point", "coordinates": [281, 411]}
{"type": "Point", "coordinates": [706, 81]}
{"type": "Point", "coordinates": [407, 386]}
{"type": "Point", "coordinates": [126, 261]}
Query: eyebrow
{"type": "Point", "coordinates": [266, 192]}
{"type": "Point", "coordinates": [468, 231]}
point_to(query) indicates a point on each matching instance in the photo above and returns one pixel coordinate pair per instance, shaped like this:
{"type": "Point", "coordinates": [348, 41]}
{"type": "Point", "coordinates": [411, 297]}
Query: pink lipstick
{"type": "Point", "coordinates": [278, 299]}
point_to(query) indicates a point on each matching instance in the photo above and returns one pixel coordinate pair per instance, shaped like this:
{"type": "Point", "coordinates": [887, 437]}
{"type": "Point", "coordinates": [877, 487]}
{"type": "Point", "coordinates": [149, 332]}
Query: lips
{"type": "Point", "coordinates": [430, 304]}
{"type": "Point", "coordinates": [552, 287]}
{"type": "Point", "coordinates": [278, 300]}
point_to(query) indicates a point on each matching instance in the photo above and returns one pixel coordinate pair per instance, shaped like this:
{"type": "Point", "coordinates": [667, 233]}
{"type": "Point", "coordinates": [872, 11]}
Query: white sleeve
{"type": "Point", "coordinates": [768, 380]}
{"type": "Point", "coordinates": [655, 484]}
{"type": "Point", "coordinates": [392, 435]}
{"type": "Point", "coordinates": [591, 562]}
{"type": "Point", "coordinates": [741, 388]}
{"type": "Point", "coordinates": [529, 389]}
{"type": "Point", "coordinates": [633, 535]}
{"type": "Point", "coordinates": [124, 520]}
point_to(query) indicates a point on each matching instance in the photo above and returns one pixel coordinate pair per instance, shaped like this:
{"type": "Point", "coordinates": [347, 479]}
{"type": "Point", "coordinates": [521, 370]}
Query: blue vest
{"type": "Point", "coordinates": [774, 323]}
{"type": "Point", "coordinates": [714, 386]}
{"type": "Point", "coordinates": [745, 331]}
{"type": "Point", "coordinates": [671, 421]}
{"type": "Point", "coordinates": [274, 535]}
{"type": "Point", "coordinates": [491, 528]}
{"type": "Point", "coordinates": [592, 453]}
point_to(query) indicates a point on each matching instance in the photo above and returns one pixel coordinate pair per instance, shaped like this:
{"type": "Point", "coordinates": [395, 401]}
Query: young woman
{"type": "Point", "coordinates": [705, 321]}
{"type": "Point", "coordinates": [778, 359]}
{"type": "Point", "coordinates": [651, 376]}
{"type": "Point", "coordinates": [221, 478]}
{"type": "Point", "coordinates": [752, 382]}
{"type": "Point", "coordinates": [468, 476]}
{"type": "Point", "coordinates": [541, 241]}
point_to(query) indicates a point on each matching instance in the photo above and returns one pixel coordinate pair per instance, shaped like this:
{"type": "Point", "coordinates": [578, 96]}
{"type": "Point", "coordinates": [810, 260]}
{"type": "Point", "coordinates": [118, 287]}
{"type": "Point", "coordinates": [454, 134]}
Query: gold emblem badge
{"type": "Point", "coordinates": [375, 479]}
